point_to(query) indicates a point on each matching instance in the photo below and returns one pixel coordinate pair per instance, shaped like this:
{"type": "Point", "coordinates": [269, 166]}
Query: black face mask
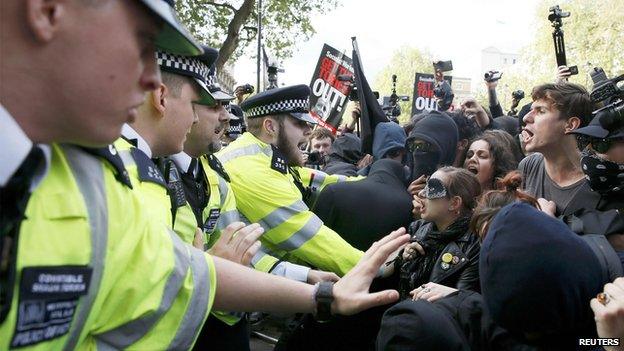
{"type": "Point", "coordinates": [424, 163]}
{"type": "Point", "coordinates": [604, 177]}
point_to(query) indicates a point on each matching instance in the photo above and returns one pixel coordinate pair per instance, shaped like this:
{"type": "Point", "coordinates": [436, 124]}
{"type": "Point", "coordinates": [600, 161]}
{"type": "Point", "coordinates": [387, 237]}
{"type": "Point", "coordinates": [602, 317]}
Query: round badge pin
{"type": "Point", "coordinates": [447, 258]}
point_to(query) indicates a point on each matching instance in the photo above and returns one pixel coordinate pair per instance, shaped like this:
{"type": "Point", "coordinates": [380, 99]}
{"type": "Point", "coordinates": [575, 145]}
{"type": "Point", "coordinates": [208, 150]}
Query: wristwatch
{"type": "Point", "coordinates": [324, 297]}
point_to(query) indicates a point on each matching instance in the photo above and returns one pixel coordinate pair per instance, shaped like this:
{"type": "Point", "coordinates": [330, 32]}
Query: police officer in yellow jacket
{"type": "Point", "coordinates": [83, 266]}
{"type": "Point", "coordinates": [270, 187]}
{"type": "Point", "coordinates": [74, 253]}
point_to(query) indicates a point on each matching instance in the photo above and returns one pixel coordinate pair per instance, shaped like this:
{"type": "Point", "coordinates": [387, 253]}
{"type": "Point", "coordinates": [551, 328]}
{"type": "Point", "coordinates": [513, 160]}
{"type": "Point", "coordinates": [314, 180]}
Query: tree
{"type": "Point", "coordinates": [232, 26]}
{"type": "Point", "coordinates": [405, 63]}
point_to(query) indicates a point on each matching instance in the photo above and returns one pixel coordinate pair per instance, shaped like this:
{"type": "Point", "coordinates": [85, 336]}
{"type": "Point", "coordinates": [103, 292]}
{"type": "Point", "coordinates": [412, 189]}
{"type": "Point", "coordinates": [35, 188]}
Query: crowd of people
{"type": "Point", "coordinates": [144, 206]}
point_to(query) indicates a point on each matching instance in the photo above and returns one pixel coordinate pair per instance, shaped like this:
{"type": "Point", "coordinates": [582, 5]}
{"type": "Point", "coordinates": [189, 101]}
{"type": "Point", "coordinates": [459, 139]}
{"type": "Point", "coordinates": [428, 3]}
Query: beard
{"type": "Point", "coordinates": [290, 151]}
{"type": "Point", "coordinates": [214, 147]}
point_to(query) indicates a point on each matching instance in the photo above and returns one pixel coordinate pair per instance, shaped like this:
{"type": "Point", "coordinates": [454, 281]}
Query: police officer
{"type": "Point", "coordinates": [264, 165]}
{"type": "Point", "coordinates": [82, 265]}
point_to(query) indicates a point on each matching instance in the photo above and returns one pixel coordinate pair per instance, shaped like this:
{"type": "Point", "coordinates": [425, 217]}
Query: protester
{"type": "Point", "coordinates": [443, 250]}
{"type": "Point", "coordinates": [432, 143]}
{"type": "Point", "coordinates": [344, 156]}
{"type": "Point", "coordinates": [467, 130]}
{"type": "Point", "coordinates": [361, 210]}
{"type": "Point", "coordinates": [506, 192]}
{"type": "Point", "coordinates": [545, 300]}
{"type": "Point", "coordinates": [490, 157]}
{"type": "Point", "coordinates": [553, 172]}
{"type": "Point", "coordinates": [321, 140]}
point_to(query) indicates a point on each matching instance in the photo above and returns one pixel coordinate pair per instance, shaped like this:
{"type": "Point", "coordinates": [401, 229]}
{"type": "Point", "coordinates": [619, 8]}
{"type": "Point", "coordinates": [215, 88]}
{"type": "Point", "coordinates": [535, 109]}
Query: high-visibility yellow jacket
{"type": "Point", "coordinates": [93, 271]}
{"type": "Point", "coordinates": [266, 193]}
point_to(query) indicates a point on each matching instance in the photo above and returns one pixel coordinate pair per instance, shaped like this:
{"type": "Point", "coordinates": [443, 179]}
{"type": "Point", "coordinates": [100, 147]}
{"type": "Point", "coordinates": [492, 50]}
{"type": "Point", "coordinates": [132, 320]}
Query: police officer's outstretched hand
{"type": "Point", "coordinates": [351, 293]}
{"type": "Point", "coordinates": [238, 243]}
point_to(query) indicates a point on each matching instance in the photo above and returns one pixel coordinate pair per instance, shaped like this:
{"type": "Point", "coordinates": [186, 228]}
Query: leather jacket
{"type": "Point", "coordinates": [462, 272]}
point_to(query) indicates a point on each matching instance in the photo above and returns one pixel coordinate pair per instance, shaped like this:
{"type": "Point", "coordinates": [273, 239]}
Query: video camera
{"type": "Point", "coordinates": [492, 76]}
{"type": "Point", "coordinates": [555, 15]}
{"type": "Point", "coordinates": [610, 96]}
{"type": "Point", "coordinates": [315, 158]}
{"type": "Point", "coordinates": [517, 95]}
{"type": "Point", "coordinates": [443, 66]}
{"type": "Point", "coordinates": [392, 109]}
{"type": "Point", "coordinates": [272, 71]}
{"type": "Point", "coordinates": [247, 89]}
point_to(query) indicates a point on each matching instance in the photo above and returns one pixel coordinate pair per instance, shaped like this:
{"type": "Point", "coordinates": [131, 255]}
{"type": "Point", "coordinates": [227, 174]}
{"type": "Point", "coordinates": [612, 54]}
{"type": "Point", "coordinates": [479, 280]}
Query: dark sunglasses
{"type": "Point", "coordinates": [601, 146]}
{"type": "Point", "coordinates": [419, 147]}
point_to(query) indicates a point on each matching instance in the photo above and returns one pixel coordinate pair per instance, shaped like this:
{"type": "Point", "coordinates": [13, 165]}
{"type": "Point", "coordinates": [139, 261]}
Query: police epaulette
{"type": "Point", "coordinates": [147, 169]}
{"type": "Point", "coordinates": [279, 162]}
{"type": "Point", "coordinates": [110, 154]}
{"type": "Point", "coordinates": [217, 166]}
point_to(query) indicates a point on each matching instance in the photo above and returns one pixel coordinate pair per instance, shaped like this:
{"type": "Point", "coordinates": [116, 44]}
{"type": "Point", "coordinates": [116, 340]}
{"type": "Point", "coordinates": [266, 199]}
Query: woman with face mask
{"type": "Point", "coordinates": [443, 250]}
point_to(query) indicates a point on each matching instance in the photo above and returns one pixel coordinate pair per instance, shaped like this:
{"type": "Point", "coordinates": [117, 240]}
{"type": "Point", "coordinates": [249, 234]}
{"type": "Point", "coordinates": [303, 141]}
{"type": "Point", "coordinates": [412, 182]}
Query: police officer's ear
{"type": "Point", "coordinates": [159, 98]}
{"type": "Point", "coordinates": [44, 16]}
{"type": "Point", "coordinates": [271, 126]}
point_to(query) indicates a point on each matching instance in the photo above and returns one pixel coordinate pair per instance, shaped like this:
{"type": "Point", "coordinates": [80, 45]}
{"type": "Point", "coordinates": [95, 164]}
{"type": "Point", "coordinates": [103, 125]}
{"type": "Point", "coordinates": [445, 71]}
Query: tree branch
{"type": "Point", "coordinates": [227, 6]}
{"type": "Point", "coordinates": [231, 41]}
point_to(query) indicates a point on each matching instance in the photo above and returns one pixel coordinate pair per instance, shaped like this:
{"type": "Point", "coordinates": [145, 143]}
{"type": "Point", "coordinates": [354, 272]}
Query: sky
{"type": "Point", "coordinates": [454, 30]}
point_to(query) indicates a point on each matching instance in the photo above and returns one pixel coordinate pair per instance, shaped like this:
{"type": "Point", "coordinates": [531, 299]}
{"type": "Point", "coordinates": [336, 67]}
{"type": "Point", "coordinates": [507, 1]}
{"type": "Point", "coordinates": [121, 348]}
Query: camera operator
{"type": "Point", "coordinates": [491, 81]}
{"type": "Point", "coordinates": [320, 144]}
{"type": "Point", "coordinates": [241, 91]}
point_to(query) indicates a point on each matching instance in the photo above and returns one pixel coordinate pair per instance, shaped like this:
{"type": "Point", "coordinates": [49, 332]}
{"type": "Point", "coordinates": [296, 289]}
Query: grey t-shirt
{"type": "Point", "coordinates": [538, 183]}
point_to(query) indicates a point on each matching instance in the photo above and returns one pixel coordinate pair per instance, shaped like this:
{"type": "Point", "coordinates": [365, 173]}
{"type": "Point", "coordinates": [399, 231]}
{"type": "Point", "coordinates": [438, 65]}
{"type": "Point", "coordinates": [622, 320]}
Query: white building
{"type": "Point", "coordinates": [493, 58]}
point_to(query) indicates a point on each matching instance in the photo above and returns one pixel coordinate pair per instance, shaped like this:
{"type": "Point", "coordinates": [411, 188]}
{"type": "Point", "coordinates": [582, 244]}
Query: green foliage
{"type": "Point", "coordinates": [593, 38]}
{"type": "Point", "coordinates": [405, 62]}
{"type": "Point", "coordinates": [285, 23]}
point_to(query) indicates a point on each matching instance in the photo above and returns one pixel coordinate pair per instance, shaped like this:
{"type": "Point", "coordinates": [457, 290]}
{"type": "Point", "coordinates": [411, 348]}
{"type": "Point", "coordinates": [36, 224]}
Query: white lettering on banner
{"type": "Point", "coordinates": [423, 103]}
{"type": "Point", "coordinates": [342, 62]}
{"type": "Point", "coordinates": [327, 92]}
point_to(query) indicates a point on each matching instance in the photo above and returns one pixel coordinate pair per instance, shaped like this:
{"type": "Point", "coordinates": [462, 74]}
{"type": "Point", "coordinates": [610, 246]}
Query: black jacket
{"type": "Point", "coordinates": [462, 273]}
{"type": "Point", "coordinates": [456, 322]}
{"type": "Point", "coordinates": [344, 156]}
{"type": "Point", "coordinates": [364, 211]}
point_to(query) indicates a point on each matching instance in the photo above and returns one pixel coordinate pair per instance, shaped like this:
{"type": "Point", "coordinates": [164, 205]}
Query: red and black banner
{"type": "Point", "coordinates": [330, 95]}
{"type": "Point", "coordinates": [423, 99]}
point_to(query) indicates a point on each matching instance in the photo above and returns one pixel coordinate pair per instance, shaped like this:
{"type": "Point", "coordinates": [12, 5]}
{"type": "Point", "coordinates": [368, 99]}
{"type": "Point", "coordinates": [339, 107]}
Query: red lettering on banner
{"type": "Point", "coordinates": [327, 66]}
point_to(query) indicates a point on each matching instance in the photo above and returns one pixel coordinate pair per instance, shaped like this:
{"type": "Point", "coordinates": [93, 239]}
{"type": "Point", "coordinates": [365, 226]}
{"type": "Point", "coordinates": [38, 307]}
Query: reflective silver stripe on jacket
{"type": "Point", "coordinates": [126, 157]}
{"type": "Point", "coordinates": [227, 218]}
{"type": "Point", "coordinates": [198, 306]}
{"type": "Point", "coordinates": [129, 333]}
{"type": "Point", "coordinates": [245, 151]}
{"type": "Point", "coordinates": [301, 236]}
{"type": "Point", "coordinates": [282, 214]}
{"type": "Point", "coordinates": [317, 180]}
{"type": "Point", "coordinates": [89, 174]}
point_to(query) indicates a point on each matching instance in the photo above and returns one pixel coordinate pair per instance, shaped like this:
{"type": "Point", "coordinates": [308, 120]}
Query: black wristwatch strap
{"type": "Point", "coordinates": [324, 297]}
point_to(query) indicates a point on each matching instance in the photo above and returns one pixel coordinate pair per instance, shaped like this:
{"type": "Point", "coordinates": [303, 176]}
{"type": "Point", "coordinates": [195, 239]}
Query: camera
{"type": "Point", "coordinates": [443, 66]}
{"type": "Point", "coordinates": [315, 158]}
{"type": "Point", "coordinates": [610, 96]}
{"type": "Point", "coordinates": [391, 106]}
{"type": "Point", "coordinates": [444, 93]}
{"type": "Point", "coordinates": [492, 76]}
{"type": "Point", "coordinates": [247, 89]}
{"type": "Point", "coordinates": [517, 95]}
{"type": "Point", "coordinates": [555, 15]}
